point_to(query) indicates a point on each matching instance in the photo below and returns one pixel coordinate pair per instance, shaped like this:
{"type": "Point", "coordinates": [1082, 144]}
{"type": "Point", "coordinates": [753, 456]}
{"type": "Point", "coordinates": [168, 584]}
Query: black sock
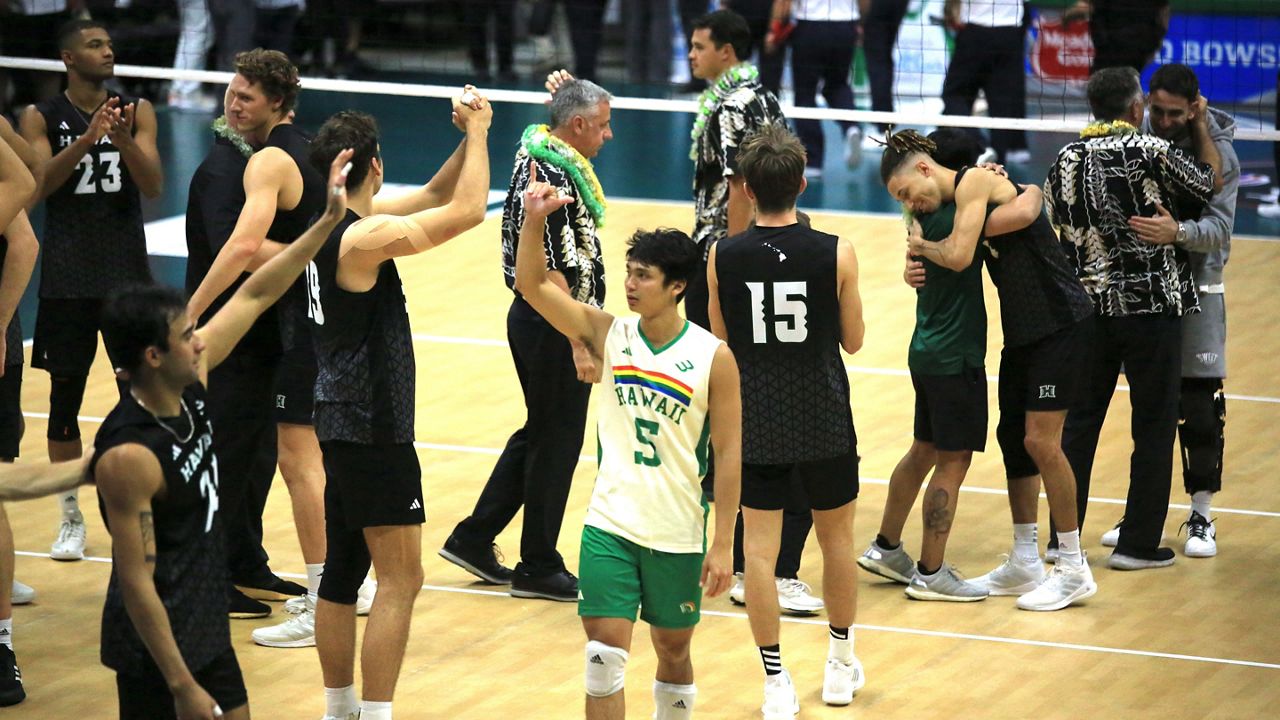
{"type": "Point", "coordinates": [771, 656]}
{"type": "Point", "coordinates": [839, 633]}
{"type": "Point", "coordinates": [920, 568]}
{"type": "Point", "coordinates": [884, 544]}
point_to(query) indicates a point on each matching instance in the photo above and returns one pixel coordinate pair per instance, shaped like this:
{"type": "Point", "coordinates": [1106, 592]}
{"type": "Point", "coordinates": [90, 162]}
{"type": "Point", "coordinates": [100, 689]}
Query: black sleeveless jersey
{"type": "Point", "coordinates": [93, 239]}
{"type": "Point", "coordinates": [1039, 293]}
{"type": "Point", "coordinates": [190, 568]}
{"type": "Point", "coordinates": [364, 351]}
{"type": "Point", "coordinates": [295, 327]}
{"type": "Point", "coordinates": [778, 297]}
{"type": "Point", "coordinates": [13, 333]}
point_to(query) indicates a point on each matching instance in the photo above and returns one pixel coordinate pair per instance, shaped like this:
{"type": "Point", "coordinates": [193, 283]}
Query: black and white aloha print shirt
{"type": "Point", "coordinates": [1094, 187]}
{"type": "Point", "coordinates": [745, 110]}
{"type": "Point", "coordinates": [570, 241]}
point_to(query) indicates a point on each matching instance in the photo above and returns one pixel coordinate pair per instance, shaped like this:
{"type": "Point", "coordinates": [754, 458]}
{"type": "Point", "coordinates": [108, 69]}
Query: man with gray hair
{"type": "Point", "coordinates": [537, 464]}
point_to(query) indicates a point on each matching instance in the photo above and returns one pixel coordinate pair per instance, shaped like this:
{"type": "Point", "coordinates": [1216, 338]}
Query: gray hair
{"type": "Point", "coordinates": [577, 97]}
{"type": "Point", "coordinates": [1112, 91]}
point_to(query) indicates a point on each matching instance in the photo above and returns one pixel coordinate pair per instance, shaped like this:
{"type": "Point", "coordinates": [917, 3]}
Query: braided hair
{"type": "Point", "coordinates": [899, 146]}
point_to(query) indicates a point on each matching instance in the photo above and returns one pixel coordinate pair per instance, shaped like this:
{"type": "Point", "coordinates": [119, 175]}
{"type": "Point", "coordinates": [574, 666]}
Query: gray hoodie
{"type": "Point", "coordinates": [1209, 239]}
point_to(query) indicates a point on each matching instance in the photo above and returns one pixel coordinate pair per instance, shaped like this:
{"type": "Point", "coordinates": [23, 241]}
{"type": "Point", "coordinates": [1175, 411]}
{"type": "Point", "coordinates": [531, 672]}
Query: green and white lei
{"type": "Point", "coordinates": [542, 145]}
{"type": "Point", "coordinates": [714, 95]}
{"type": "Point", "coordinates": [225, 131]}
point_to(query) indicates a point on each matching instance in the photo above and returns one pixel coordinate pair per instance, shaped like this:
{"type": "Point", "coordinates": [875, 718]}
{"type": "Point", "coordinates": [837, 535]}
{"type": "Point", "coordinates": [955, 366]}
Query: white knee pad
{"type": "Point", "coordinates": [673, 702]}
{"type": "Point", "coordinates": [606, 666]}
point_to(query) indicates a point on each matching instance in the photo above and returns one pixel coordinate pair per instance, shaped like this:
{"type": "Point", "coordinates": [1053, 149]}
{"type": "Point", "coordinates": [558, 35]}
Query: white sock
{"type": "Point", "coordinates": [314, 571]}
{"type": "Point", "coordinates": [6, 632]}
{"type": "Point", "coordinates": [1069, 548]}
{"type": "Point", "coordinates": [370, 710]}
{"type": "Point", "coordinates": [340, 702]}
{"type": "Point", "coordinates": [1200, 503]}
{"type": "Point", "coordinates": [841, 650]}
{"type": "Point", "coordinates": [1026, 546]}
{"type": "Point", "coordinates": [672, 701]}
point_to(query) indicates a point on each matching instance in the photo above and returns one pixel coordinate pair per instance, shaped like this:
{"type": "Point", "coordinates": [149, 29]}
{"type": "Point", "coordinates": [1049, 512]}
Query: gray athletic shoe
{"type": "Point", "coordinates": [944, 585]}
{"type": "Point", "coordinates": [896, 565]}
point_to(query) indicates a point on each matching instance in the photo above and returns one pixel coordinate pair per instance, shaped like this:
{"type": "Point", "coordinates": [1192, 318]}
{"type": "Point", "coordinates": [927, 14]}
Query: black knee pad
{"type": "Point", "coordinates": [346, 564]}
{"type": "Point", "coordinates": [1201, 433]}
{"type": "Point", "coordinates": [1012, 438]}
{"type": "Point", "coordinates": [66, 393]}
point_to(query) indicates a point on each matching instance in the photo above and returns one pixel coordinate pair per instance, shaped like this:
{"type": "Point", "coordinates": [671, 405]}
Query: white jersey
{"type": "Point", "coordinates": [653, 433]}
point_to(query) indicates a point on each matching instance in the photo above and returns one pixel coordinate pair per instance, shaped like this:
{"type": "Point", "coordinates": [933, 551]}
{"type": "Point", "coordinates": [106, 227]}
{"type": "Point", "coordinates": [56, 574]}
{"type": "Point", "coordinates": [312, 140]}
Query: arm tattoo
{"type": "Point", "coordinates": [937, 517]}
{"type": "Point", "coordinates": [148, 536]}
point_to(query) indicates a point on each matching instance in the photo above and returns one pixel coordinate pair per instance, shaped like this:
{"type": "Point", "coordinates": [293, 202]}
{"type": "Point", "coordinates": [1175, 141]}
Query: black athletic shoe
{"type": "Point", "coordinates": [561, 586]}
{"type": "Point", "coordinates": [266, 586]}
{"type": "Point", "coordinates": [11, 690]}
{"type": "Point", "coordinates": [243, 607]}
{"type": "Point", "coordinates": [484, 563]}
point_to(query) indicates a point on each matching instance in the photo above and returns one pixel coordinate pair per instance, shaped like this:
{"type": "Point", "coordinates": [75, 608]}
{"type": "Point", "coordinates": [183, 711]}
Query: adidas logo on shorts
{"type": "Point", "coordinates": [415, 505]}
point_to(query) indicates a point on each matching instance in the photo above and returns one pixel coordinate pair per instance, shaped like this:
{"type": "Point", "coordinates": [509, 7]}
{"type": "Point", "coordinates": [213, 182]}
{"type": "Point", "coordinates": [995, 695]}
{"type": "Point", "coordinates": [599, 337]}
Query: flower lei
{"type": "Point", "coordinates": [542, 145]}
{"type": "Point", "coordinates": [225, 131]}
{"type": "Point", "coordinates": [1103, 129]}
{"type": "Point", "coordinates": [711, 98]}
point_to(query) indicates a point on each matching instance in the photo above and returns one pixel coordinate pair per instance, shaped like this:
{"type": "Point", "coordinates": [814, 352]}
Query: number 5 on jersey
{"type": "Point", "coordinates": [646, 433]}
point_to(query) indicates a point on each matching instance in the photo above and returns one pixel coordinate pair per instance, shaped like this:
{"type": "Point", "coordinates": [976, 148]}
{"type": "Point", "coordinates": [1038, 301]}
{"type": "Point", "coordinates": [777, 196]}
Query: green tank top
{"type": "Point", "coordinates": [951, 317]}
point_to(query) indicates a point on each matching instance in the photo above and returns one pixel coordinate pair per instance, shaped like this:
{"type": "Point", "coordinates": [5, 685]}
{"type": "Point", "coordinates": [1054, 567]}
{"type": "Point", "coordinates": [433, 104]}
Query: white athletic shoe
{"type": "Point", "coordinates": [1011, 578]}
{"type": "Point", "coordinates": [780, 701]}
{"type": "Point", "coordinates": [796, 597]}
{"type": "Point", "coordinates": [1112, 536]}
{"type": "Point", "coordinates": [22, 593]}
{"type": "Point", "coordinates": [738, 591]}
{"type": "Point", "coordinates": [840, 682]}
{"type": "Point", "coordinates": [1269, 210]}
{"type": "Point", "coordinates": [853, 146]}
{"type": "Point", "coordinates": [1202, 537]}
{"type": "Point", "coordinates": [1063, 586]}
{"type": "Point", "coordinates": [945, 586]}
{"type": "Point", "coordinates": [298, 631]}
{"type": "Point", "coordinates": [70, 542]}
{"type": "Point", "coordinates": [894, 564]}
{"type": "Point", "coordinates": [364, 597]}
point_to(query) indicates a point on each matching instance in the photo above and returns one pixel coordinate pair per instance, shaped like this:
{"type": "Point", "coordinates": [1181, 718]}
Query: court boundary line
{"type": "Point", "coordinates": [494, 452]}
{"type": "Point", "coordinates": [946, 634]}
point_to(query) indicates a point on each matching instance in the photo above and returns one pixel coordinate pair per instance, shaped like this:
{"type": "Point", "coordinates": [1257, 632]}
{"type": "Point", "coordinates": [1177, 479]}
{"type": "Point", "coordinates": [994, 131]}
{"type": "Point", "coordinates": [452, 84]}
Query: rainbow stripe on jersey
{"type": "Point", "coordinates": [656, 381]}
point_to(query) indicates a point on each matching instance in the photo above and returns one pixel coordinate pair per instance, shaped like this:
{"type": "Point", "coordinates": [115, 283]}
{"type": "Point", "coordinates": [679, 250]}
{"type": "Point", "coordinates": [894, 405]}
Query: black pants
{"type": "Point", "coordinates": [274, 29]}
{"type": "Point", "coordinates": [822, 52]}
{"type": "Point", "coordinates": [1149, 348]}
{"type": "Point", "coordinates": [477, 20]}
{"type": "Point", "coordinates": [586, 31]}
{"type": "Point", "coordinates": [233, 26]}
{"type": "Point", "coordinates": [1202, 417]}
{"type": "Point", "coordinates": [757, 14]}
{"type": "Point", "coordinates": [879, 34]}
{"type": "Point", "coordinates": [241, 402]}
{"type": "Point", "coordinates": [1124, 37]}
{"type": "Point", "coordinates": [536, 467]}
{"type": "Point", "coordinates": [989, 59]}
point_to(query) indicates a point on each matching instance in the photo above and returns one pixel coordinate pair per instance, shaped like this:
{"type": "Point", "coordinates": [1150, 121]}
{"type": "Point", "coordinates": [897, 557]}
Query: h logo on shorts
{"type": "Point", "coordinates": [1048, 391]}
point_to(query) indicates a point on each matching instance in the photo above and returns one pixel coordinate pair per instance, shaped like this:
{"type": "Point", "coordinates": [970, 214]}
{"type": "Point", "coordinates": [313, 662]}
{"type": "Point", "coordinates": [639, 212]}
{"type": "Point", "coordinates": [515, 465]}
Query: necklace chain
{"type": "Point", "coordinates": [191, 424]}
{"type": "Point", "coordinates": [87, 119]}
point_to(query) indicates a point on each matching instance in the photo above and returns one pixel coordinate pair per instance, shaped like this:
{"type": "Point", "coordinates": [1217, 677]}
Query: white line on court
{"type": "Point", "coordinates": [474, 450]}
{"type": "Point", "coordinates": [865, 628]}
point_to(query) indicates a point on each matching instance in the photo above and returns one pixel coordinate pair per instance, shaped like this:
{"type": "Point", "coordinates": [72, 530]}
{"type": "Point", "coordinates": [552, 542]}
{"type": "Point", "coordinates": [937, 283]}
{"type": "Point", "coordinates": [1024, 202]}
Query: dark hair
{"type": "Point", "coordinates": [955, 148]}
{"type": "Point", "coordinates": [136, 317]}
{"type": "Point", "coordinates": [1177, 80]}
{"type": "Point", "coordinates": [71, 29]}
{"type": "Point", "coordinates": [1111, 91]}
{"type": "Point", "coordinates": [667, 249]}
{"type": "Point", "coordinates": [899, 147]}
{"type": "Point", "coordinates": [347, 129]}
{"type": "Point", "coordinates": [772, 164]}
{"type": "Point", "coordinates": [272, 70]}
{"type": "Point", "coordinates": [727, 26]}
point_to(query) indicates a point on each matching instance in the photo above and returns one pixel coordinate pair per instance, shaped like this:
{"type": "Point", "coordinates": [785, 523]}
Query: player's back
{"type": "Point", "coordinates": [778, 296]}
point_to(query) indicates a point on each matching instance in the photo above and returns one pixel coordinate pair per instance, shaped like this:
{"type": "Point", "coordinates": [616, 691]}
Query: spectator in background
{"type": "Point", "coordinates": [1271, 208]}
{"type": "Point", "coordinates": [772, 53]}
{"type": "Point", "coordinates": [586, 31]}
{"type": "Point", "coordinates": [335, 27]}
{"type": "Point", "coordinates": [1124, 32]}
{"type": "Point", "coordinates": [881, 20]}
{"type": "Point", "coordinates": [195, 37]}
{"type": "Point", "coordinates": [28, 28]}
{"type": "Point", "coordinates": [648, 40]}
{"type": "Point", "coordinates": [233, 27]}
{"type": "Point", "coordinates": [275, 21]}
{"type": "Point", "coordinates": [990, 44]}
{"type": "Point", "coordinates": [476, 18]}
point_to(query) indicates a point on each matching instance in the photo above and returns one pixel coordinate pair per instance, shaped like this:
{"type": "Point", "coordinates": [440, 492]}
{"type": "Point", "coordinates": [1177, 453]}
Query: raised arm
{"type": "Point", "coordinates": [16, 185]}
{"type": "Point", "coordinates": [134, 135]}
{"type": "Point", "coordinates": [267, 173]}
{"type": "Point", "coordinates": [575, 320]}
{"type": "Point", "coordinates": [264, 287]}
{"type": "Point", "coordinates": [57, 168]}
{"type": "Point", "coordinates": [974, 192]}
{"type": "Point", "coordinates": [128, 477]}
{"type": "Point", "coordinates": [439, 189]}
{"type": "Point", "coordinates": [725, 408]}
{"type": "Point", "coordinates": [852, 328]}
{"type": "Point", "coordinates": [1206, 149]}
{"type": "Point", "coordinates": [32, 480]}
{"type": "Point", "coordinates": [25, 153]}
{"type": "Point", "coordinates": [1016, 214]}
{"type": "Point", "coordinates": [19, 261]}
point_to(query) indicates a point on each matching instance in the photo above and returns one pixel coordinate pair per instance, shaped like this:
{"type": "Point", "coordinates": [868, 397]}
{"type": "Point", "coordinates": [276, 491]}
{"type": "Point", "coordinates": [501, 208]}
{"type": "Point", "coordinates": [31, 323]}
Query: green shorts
{"type": "Point", "coordinates": [617, 577]}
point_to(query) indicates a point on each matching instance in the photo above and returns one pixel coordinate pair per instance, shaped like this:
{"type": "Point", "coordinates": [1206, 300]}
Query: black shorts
{"type": "Point", "coordinates": [951, 410]}
{"type": "Point", "coordinates": [66, 337]}
{"type": "Point", "coordinates": [295, 388]}
{"type": "Point", "coordinates": [147, 697]}
{"type": "Point", "coordinates": [371, 485]}
{"type": "Point", "coordinates": [828, 483]}
{"type": "Point", "coordinates": [11, 411]}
